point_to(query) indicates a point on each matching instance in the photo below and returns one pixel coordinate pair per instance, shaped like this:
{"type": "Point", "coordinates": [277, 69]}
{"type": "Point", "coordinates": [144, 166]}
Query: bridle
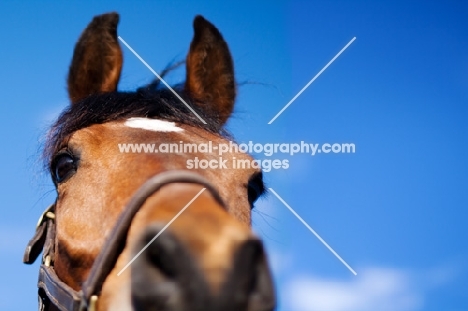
{"type": "Point", "coordinates": [53, 291]}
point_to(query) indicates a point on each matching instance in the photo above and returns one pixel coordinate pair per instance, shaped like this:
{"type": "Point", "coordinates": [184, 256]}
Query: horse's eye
{"type": "Point", "coordinates": [255, 188]}
{"type": "Point", "coordinates": [63, 167]}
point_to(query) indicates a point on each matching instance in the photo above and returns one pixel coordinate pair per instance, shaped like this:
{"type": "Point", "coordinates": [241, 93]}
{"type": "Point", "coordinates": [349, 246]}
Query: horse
{"type": "Point", "coordinates": [139, 231]}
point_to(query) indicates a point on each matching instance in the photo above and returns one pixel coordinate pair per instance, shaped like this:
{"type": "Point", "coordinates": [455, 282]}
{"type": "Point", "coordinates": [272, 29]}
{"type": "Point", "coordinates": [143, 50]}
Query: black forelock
{"type": "Point", "coordinates": [147, 102]}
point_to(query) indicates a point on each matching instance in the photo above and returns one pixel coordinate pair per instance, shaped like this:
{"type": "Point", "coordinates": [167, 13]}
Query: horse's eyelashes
{"type": "Point", "coordinates": [63, 167]}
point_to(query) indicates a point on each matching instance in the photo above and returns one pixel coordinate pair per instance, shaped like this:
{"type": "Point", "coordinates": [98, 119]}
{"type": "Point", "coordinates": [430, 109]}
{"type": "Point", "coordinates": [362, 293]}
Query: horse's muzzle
{"type": "Point", "coordinates": [167, 277]}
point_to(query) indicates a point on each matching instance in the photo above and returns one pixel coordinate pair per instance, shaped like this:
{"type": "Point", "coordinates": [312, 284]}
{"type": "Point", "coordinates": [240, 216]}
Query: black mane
{"type": "Point", "coordinates": [149, 102]}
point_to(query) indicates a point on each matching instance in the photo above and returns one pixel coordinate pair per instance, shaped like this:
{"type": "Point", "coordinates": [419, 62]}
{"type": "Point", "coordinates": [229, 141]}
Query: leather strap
{"type": "Point", "coordinates": [36, 244]}
{"type": "Point", "coordinates": [60, 294]}
{"type": "Point", "coordinates": [52, 289]}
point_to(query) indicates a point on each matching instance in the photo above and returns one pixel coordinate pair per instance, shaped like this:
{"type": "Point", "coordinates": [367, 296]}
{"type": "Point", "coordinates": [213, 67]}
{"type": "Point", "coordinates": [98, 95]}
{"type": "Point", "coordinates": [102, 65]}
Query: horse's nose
{"type": "Point", "coordinates": [167, 276]}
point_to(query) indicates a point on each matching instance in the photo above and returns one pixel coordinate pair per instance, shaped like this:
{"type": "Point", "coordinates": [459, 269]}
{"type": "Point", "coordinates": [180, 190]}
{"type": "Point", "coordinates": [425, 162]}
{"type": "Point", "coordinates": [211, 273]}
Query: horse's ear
{"type": "Point", "coordinates": [210, 71]}
{"type": "Point", "coordinates": [97, 59]}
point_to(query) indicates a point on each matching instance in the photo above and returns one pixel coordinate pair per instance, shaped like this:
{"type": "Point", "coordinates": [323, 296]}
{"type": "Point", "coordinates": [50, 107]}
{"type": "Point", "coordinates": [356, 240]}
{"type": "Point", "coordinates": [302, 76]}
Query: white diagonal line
{"type": "Point", "coordinates": [160, 232]}
{"type": "Point", "coordinates": [159, 77]}
{"type": "Point", "coordinates": [310, 82]}
{"type": "Point", "coordinates": [313, 231]}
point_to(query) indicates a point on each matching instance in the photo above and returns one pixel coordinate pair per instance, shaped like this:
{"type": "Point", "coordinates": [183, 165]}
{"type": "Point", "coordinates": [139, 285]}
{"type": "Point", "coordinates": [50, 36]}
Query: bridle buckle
{"type": "Point", "coordinates": [91, 306]}
{"type": "Point", "coordinates": [46, 214]}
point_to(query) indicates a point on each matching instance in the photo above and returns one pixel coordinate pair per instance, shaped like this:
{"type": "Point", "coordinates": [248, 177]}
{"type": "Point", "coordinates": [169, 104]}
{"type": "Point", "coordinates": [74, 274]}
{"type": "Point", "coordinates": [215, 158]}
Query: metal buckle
{"type": "Point", "coordinates": [93, 303]}
{"type": "Point", "coordinates": [47, 261]}
{"type": "Point", "coordinates": [91, 306]}
{"type": "Point", "coordinates": [46, 214]}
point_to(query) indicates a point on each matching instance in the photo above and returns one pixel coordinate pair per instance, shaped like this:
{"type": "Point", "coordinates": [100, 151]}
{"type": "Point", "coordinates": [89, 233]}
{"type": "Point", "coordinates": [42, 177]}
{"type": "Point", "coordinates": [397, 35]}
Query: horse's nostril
{"type": "Point", "coordinates": [164, 276]}
{"type": "Point", "coordinates": [249, 285]}
{"type": "Point", "coordinates": [162, 253]}
{"type": "Point", "coordinates": [154, 270]}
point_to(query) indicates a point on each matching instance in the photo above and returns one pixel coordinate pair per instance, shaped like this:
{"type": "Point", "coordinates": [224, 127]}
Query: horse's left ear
{"type": "Point", "coordinates": [97, 59]}
{"type": "Point", "coordinates": [210, 71]}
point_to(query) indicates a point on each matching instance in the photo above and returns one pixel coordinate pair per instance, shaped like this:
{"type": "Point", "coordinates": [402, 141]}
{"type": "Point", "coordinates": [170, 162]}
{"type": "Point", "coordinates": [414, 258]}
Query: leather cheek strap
{"type": "Point", "coordinates": [36, 244]}
{"type": "Point", "coordinates": [51, 288]}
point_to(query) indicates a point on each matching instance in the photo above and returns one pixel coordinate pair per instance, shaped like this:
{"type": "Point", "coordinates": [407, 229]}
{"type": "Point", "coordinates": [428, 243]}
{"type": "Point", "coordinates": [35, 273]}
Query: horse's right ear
{"type": "Point", "coordinates": [210, 70]}
{"type": "Point", "coordinates": [97, 59]}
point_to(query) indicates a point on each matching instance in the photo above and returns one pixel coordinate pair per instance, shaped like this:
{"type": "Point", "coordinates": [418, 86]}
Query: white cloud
{"type": "Point", "coordinates": [372, 289]}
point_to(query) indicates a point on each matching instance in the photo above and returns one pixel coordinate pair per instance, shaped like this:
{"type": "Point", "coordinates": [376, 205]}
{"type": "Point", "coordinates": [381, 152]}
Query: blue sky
{"type": "Point", "coordinates": [396, 210]}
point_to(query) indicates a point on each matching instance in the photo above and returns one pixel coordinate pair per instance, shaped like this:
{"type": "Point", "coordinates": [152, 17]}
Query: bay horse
{"type": "Point", "coordinates": [136, 231]}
